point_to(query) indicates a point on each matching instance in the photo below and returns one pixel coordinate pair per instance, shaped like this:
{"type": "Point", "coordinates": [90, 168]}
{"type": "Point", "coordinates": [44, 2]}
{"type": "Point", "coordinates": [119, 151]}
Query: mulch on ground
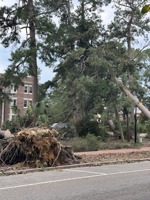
{"type": "Point", "coordinates": [114, 155]}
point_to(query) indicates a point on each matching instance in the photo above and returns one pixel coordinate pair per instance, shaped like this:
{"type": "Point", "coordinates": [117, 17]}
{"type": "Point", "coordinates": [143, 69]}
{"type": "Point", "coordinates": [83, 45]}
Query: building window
{"type": "Point", "coordinates": [13, 102]}
{"type": "Point", "coordinates": [30, 102]}
{"type": "Point", "coordinates": [27, 102]}
{"type": "Point", "coordinates": [13, 88]}
{"type": "Point", "coordinates": [25, 89]}
{"type": "Point", "coordinates": [28, 89]}
{"type": "Point", "coordinates": [13, 108]}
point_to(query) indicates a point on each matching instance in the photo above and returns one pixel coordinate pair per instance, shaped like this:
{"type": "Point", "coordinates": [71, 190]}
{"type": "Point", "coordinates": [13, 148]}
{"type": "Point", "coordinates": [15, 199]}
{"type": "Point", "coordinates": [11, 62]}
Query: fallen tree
{"type": "Point", "coordinates": [36, 148]}
{"type": "Point", "coordinates": [134, 99]}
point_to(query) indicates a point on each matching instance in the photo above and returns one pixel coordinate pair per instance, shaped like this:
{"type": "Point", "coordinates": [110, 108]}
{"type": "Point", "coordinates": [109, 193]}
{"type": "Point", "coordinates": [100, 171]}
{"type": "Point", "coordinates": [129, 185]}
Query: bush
{"type": "Point", "coordinates": [92, 142]}
{"type": "Point", "coordinates": [141, 128]}
{"type": "Point", "coordinates": [88, 143]}
{"type": "Point", "coordinates": [86, 126]}
{"type": "Point", "coordinates": [9, 125]}
{"type": "Point", "coordinates": [79, 144]}
{"type": "Point", "coordinates": [104, 136]}
{"type": "Point", "coordinates": [148, 128]}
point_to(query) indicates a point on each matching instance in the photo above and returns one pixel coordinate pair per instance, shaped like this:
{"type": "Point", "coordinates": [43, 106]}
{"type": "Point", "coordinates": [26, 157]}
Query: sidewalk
{"type": "Point", "coordinates": [142, 149]}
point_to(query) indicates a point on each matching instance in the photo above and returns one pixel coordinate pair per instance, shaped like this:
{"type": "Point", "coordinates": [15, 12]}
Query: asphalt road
{"type": "Point", "coordinates": [109, 182]}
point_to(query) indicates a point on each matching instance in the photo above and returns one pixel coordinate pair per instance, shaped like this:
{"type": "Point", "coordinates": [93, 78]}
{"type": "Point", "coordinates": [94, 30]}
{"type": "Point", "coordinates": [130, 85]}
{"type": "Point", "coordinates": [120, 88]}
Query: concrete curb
{"type": "Point", "coordinates": [24, 171]}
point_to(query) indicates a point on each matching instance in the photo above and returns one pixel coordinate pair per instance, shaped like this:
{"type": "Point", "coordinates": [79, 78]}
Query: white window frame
{"type": "Point", "coordinates": [12, 102]}
{"type": "Point", "coordinates": [25, 89]}
{"type": "Point", "coordinates": [29, 102]}
{"type": "Point", "coordinates": [28, 88]}
{"type": "Point", "coordinates": [26, 103]}
{"type": "Point", "coordinates": [13, 88]}
{"type": "Point", "coordinates": [11, 113]}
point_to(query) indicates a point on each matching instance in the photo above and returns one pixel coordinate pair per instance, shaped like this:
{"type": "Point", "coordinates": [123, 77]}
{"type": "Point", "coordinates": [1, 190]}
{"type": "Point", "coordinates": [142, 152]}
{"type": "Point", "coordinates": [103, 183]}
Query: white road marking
{"type": "Point", "coordinates": [126, 172]}
{"type": "Point", "coordinates": [84, 171]}
{"type": "Point", "coordinates": [70, 179]}
{"type": "Point", "coordinates": [47, 182]}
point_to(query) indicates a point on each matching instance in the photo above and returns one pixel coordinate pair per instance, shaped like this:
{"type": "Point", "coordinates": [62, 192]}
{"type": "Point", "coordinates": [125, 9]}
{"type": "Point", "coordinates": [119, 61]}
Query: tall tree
{"type": "Point", "coordinates": [27, 16]}
{"type": "Point", "coordinates": [32, 47]}
{"type": "Point", "coordinates": [80, 31]}
{"type": "Point", "coordinates": [128, 26]}
{"type": "Point", "coordinates": [13, 19]}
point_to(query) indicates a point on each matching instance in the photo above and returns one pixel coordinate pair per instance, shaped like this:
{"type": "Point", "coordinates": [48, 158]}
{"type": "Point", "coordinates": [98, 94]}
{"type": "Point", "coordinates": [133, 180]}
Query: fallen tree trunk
{"type": "Point", "coordinates": [134, 99]}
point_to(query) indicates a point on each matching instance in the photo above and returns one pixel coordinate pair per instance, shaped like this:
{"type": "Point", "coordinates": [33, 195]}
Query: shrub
{"type": "Point", "coordinates": [104, 136]}
{"type": "Point", "coordinates": [141, 128]}
{"type": "Point", "coordinates": [92, 142]}
{"type": "Point", "coordinates": [88, 143]}
{"type": "Point", "coordinates": [8, 125]}
{"type": "Point", "coordinates": [79, 144]}
{"type": "Point", "coordinates": [86, 126]}
{"type": "Point", "coordinates": [148, 128]}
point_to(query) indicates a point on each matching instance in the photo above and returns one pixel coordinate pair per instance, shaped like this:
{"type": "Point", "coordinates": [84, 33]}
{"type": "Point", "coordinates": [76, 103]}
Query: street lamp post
{"type": "Point", "coordinates": [135, 124]}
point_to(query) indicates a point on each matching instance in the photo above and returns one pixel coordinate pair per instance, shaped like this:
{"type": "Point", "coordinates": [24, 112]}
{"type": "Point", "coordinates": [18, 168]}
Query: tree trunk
{"type": "Point", "coordinates": [75, 115]}
{"type": "Point", "coordinates": [33, 64]}
{"type": "Point", "coordinates": [112, 128]}
{"type": "Point", "coordinates": [119, 123]}
{"type": "Point", "coordinates": [134, 99]}
{"type": "Point", "coordinates": [128, 135]}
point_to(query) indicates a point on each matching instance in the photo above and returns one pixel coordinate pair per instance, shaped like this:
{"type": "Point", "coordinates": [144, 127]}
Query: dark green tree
{"type": "Point", "coordinates": [13, 19]}
{"type": "Point", "coordinates": [128, 26]}
{"type": "Point", "coordinates": [79, 31]}
{"type": "Point", "coordinates": [33, 19]}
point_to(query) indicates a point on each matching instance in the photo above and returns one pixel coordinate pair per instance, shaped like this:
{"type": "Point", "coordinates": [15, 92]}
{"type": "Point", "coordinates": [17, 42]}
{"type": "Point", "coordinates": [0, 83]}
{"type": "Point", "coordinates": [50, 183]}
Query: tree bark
{"type": "Point", "coordinates": [119, 123]}
{"type": "Point", "coordinates": [112, 127]}
{"type": "Point", "coordinates": [134, 99]}
{"type": "Point", "coordinates": [33, 64]}
{"type": "Point", "coordinates": [75, 115]}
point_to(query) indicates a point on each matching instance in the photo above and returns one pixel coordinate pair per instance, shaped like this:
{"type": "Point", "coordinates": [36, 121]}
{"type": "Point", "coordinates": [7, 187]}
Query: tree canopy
{"type": "Point", "coordinates": [86, 55]}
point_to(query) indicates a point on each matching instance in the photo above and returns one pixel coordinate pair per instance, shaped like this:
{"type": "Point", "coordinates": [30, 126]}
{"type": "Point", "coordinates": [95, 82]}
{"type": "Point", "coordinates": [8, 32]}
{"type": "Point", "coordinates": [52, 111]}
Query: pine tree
{"type": "Point", "coordinates": [128, 25]}
{"type": "Point", "coordinates": [27, 16]}
{"type": "Point", "coordinates": [79, 32]}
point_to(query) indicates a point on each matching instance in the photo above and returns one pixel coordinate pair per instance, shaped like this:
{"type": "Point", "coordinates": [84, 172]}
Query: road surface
{"type": "Point", "coordinates": [109, 182]}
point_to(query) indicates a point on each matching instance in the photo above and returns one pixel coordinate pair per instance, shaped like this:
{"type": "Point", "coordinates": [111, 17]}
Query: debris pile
{"type": "Point", "coordinates": [35, 147]}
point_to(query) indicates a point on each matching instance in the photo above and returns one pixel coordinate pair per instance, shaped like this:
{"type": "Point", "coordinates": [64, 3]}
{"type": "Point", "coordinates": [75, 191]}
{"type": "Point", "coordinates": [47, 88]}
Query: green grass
{"type": "Point", "coordinates": [92, 144]}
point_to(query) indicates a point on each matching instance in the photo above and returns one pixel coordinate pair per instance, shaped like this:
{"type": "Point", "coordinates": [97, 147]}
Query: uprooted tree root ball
{"type": "Point", "coordinates": [36, 148]}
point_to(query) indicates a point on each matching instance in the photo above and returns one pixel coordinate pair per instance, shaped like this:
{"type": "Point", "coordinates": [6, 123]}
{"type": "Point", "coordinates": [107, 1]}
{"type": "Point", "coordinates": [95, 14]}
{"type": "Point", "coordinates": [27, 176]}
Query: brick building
{"type": "Point", "coordinates": [21, 98]}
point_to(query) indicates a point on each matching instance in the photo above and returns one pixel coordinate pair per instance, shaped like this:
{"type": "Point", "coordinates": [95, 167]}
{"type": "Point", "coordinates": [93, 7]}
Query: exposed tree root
{"type": "Point", "coordinates": [35, 150]}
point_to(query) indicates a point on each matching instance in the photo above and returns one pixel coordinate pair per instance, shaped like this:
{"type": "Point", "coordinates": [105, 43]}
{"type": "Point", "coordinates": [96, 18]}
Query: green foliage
{"type": "Point", "coordinates": [43, 113]}
{"type": "Point", "coordinates": [92, 142]}
{"type": "Point", "coordinates": [86, 126]}
{"type": "Point", "coordinates": [142, 128]}
{"type": "Point", "coordinates": [4, 82]}
{"type": "Point", "coordinates": [88, 58]}
{"type": "Point", "coordinates": [18, 122]}
{"type": "Point", "coordinates": [34, 116]}
{"type": "Point", "coordinates": [9, 125]}
{"type": "Point", "coordinates": [79, 144]}
{"type": "Point", "coordinates": [88, 143]}
{"type": "Point", "coordinates": [103, 133]}
{"type": "Point", "coordinates": [145, 9]}
{"type": "Point", "coordinates": [148, 127]}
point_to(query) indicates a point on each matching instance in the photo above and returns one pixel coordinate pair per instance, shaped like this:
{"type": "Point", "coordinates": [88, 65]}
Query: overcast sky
{"type": "Point", "coordinates": [47, 73]}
